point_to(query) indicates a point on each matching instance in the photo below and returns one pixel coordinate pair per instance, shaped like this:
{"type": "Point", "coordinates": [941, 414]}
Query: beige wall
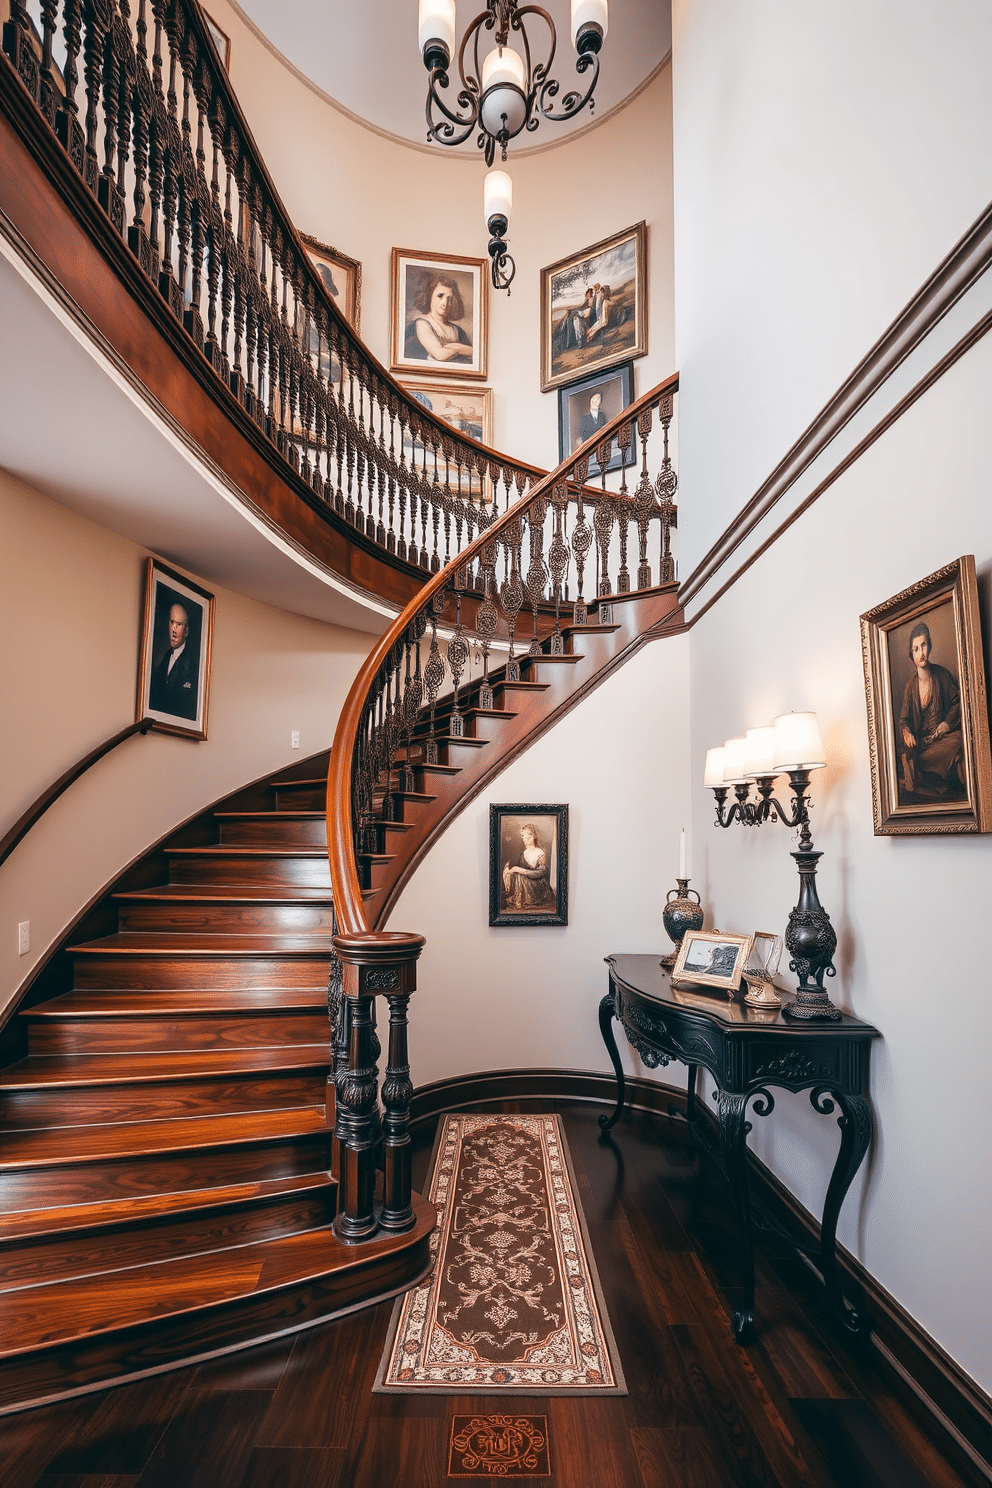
{"type": "Point", "coordinates": [75, 592]}
{"type": "Point", "coordinates": [364, 193]}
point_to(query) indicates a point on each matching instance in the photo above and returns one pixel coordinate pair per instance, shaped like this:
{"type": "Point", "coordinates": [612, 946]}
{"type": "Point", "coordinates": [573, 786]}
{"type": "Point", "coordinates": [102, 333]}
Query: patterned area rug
{"type": "Point", "coordinates": [513, 1305]}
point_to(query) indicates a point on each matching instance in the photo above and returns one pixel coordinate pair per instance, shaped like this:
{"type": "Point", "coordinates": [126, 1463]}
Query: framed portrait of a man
{"type": "Point", "coordinates": [174, 666]}
{"type": "Point", "coordinates": [594, 309]}
{"type": "Point", "coordinates": [528, 865]}
{"type": "Point", "coordinates": [438, 314]}
{"type": "Point", "coordinates": [586, 406]}
{"type": "Point", "coordinates": [928, 728]}
{"type": "Point", "coordinates": [340, 275]}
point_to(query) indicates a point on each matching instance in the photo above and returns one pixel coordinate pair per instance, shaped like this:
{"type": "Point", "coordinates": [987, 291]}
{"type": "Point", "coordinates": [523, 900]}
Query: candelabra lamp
{"type": "Point", "coordinates": [498, 198]}
{"type": "Point", "coordinates": [791, 746]}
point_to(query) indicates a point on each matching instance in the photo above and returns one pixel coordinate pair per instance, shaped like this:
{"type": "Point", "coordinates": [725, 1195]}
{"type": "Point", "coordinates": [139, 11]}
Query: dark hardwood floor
{"type": "Point", "coordinates": [803, 1407]}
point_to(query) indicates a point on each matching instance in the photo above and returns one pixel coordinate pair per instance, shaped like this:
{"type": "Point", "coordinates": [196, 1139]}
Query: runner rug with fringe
{"type": "Point", "coordinates": [513, 1305]}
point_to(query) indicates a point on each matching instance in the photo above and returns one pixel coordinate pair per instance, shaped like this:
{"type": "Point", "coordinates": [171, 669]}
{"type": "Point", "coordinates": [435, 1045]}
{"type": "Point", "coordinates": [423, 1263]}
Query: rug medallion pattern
{"type": "Point", "coordinates": [513, 1302]}
{"type": "Point", "coordinates": [499, 1446]}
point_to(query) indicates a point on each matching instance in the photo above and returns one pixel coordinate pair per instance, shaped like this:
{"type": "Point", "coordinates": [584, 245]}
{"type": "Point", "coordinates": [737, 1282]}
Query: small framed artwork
{"type": "Point", "coordinates": [438, 314]}
{"type": "Point", "coordinates": [928, 726]}
{"type": "Point", "coordinates": [340, 275]}
{"type": "Point", "coordinates": [174, 668]}
{"type": "Point", "coordinates": [709, 958]}
{"type": "Point", "coordinates": [220, 39]}
{"type": "Point", "coordinates": [594, 310]}
{"type": "Point", "coordinates": [528, 865]}
{"type": "Point", "coordinates": [586, 406]}
{"type": "Point", "coordinates": [467, 409]}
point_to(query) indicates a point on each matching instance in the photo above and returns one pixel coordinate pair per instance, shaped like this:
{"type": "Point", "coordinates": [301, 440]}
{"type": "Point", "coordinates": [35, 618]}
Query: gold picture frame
{"type": "Point", "coordinates": [466, 407]}
{"type": "Point", "coordinates": [594, 308]}
{"type": "Point", "coordinates": [928, 726]}
{"type": "Point", "coordinates": [173, 690]}
{"type": "Point", "coordinates": [341, 275]}
{"type": "Point", "coordinates": [709, 958]}
{"type": "Point", "coordinates": [458, 330]}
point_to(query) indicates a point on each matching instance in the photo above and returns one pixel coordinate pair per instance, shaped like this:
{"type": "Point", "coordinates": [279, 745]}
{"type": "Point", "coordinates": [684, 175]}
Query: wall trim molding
{"type": "Point", "coordinates": [959, 1408]}
{"type": "Point", "coordinates": [964, 265]}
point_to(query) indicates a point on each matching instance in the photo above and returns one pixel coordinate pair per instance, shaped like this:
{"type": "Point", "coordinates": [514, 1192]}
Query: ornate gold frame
{"type": "Point", "coordinates": [352, 307]}
{"type": "Point", "coordinates": [416, 367]}
{"type": "Point", "coordinates": [551, 379]}
{"type": "Point", "coordinates": [729, 983]}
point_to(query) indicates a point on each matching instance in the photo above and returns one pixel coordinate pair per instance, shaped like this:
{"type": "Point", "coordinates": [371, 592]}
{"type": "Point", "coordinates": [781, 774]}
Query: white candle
{"type": "Point", "coordinates": [504, 104]}
{"type": "Point", "coordinates": [498, 195]}
{"type": "Point", "coordinates": [589, 12]}
{"type": "Point", "coordinates": [682, 853]}
{"type": "Point", "coordinates": [437, 23]}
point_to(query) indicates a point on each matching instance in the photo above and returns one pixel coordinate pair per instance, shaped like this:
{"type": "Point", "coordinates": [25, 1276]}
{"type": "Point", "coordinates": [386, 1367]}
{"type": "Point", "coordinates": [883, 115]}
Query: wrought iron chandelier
{"type": "Point", "coordinates": [505, 93]}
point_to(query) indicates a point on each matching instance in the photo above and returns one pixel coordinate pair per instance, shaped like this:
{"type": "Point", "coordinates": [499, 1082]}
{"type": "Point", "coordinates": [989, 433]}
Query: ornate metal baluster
{"type": "Point", "coordinates": [581, 542]}
{"type": "Point", "coordinates": [665, 487]}
{"type": "Point", "coordinates": [644, 506]}
{"type": "Point", "coordinates": [537, 573]}
{"type": "Point", "coordinates": [511, 594]}
{"type": "Point", "coordinates": [558, 561]}
{"type": "Point", "coordinates": [487, 620]}
{"type": "Point", "coordinates": [433, 677]}
{"type": "Point", "coordinates": [623, 510]}
{"type": "Point", "coordinates": [458, 657]}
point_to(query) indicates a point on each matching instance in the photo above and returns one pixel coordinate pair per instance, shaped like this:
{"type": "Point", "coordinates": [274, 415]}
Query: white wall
{"type": "Point", "coordinates": [75, 592]}
{"type": "Point", "coordinates": [364, 193]}
{"type": "Point", "coordinates": [826, 160]}
{"type": "Point", "coordinates": [512, 997]}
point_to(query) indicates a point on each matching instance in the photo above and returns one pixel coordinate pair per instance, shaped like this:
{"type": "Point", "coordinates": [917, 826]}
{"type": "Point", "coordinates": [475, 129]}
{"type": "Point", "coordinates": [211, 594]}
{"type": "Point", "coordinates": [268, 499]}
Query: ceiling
{"type": "Point", "coordinates": [364, 55]}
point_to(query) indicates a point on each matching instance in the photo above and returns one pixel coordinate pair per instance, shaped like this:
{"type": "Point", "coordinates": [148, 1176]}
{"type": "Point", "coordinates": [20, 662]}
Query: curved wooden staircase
{"type": "Point", "coordinates": [165, 1191]}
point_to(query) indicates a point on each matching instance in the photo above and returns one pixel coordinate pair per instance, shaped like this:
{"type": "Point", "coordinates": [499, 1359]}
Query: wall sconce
{"type": "Point", "coordinates": [498, 197]}
{"type": "Point", "coordinates": [792, 745]}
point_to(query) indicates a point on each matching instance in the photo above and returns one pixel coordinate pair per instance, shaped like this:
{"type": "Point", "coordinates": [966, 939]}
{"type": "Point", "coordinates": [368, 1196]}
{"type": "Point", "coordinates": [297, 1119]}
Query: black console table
{"type": "Point", "coordinates": [748, 1051]}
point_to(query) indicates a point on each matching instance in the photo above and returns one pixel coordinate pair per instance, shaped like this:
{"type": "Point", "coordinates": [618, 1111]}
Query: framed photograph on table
{"type": "Point", "coordinates": [438, 314]}
{"type": "Point", "coordinates": [709, 958]}
{"type": "Point", "coordinates": [594, 310]}
{"type": "Point", "coordinates": [340, 275]}
{"type": "Point", "coordinates": [928, 727]}
{"type": "Point", "coordinates": [528, 865]}
{"type": "Point", "coordinates": [174, 666]}
{"type": "Point", "coordinates": [587, 406]}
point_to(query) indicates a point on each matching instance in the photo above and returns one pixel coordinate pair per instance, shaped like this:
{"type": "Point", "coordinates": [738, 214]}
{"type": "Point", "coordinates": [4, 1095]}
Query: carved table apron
{"type": "Point", "coordinates": [748, 1051]}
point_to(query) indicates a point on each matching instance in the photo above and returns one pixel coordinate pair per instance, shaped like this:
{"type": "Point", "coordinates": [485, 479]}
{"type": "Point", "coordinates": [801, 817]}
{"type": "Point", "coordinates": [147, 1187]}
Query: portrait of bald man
{"type": "Point", "coordinates": [175, 676]}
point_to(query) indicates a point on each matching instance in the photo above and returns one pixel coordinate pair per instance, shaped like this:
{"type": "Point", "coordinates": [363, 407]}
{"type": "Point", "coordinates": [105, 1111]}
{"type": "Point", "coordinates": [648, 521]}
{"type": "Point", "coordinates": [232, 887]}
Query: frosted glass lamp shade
{"type": "Point", "coordinates": [437, 23]}
{"type": "Point", "coordinates": [759, 757]}
{"type": "Point", "coordinates": [713, 774]}
{"type": "Point", "coordinates": [504, 103]}
{"type": "Point", "coordinates": [497, 195]}
{"type": "Point", "coordinates": [798, 745]}
{"type": "Point", "coordinates": [735, 751]}
{"type": "Point", "coordinates": [592, 13]}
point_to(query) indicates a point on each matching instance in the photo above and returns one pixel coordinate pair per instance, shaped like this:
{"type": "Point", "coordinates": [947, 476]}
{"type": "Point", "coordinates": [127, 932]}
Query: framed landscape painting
{"type": "Point", "coordinates": [594, 308]}
{"type": "Point", "coordinates": [528, 865]}
{"type": "Point", "coordinates": [438, 314]}
{"type": "Point", "coordinates": [928, 727]}
{"type": "Point", "coordinates": [340, 275]}
{"type": "Point", "coordinates": [174, 665]}
{"type": "Point", "coordinates": [467, 409]}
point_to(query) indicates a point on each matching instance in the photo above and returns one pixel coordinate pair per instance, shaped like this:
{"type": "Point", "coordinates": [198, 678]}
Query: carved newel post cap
{"type": "Point", "coordinates": [372, 948]}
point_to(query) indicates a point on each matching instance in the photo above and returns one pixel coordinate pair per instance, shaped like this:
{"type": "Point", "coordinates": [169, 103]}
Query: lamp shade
{"type": "Point", "coordinates": [713, 774]}
{"type": "Point", "coordinates": [589, 13]}
{"type": "Point", "coordinates": [735, 751]}
{"type": "Point", "coordinates": [798, 745]}
{"type": "Point", "coordinates": [504, 103]}
{"type": "Point", "coordinates": [759, 757]}
{"type": "Point", "coordinates": [497, 195]}
{"type": "Point", "coordinates": [437, 23]}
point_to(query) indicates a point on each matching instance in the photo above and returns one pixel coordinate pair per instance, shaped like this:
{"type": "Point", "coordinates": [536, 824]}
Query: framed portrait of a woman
{"type": "Point", "coordinates": [928, 728]}
{"type": "Point", "coordinates": [438, 318]}
{"type": "Point", "coordinates": [528, 865]}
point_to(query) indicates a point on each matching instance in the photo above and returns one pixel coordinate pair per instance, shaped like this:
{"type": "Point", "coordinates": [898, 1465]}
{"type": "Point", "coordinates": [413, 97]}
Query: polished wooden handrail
{"type": "Point", "coordinates": [37, 809]}
{"type": "Point", "coordinates": [349, 905]}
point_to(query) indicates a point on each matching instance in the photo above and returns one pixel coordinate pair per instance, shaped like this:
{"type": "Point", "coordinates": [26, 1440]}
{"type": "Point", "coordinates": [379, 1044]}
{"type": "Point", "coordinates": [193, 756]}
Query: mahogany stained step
{"type": "Point", "coordinates": [220, 908]}
{"type": "Point", "coordinates": [304, 867]}
{"type": "Point", "coordinates": [279, 828]}
{"type": "Point", "coordinates": [146, 959]}
{"type": "Point", "coordinates": [61, 1104]}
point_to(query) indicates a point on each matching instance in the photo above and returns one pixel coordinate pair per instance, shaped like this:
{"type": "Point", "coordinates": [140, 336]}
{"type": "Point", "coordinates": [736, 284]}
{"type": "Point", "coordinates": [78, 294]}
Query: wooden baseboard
{"type": "Point", "coordinates": [959, 1408]}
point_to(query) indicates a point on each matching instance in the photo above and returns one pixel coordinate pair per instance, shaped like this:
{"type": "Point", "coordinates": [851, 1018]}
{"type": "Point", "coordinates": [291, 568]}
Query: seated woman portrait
{"type": "Point", "coordinates": [527, 883]}
{"type": "Point", "coordinates": [434, 335]}
{"type": "Point", "coordinates": [929, 730]}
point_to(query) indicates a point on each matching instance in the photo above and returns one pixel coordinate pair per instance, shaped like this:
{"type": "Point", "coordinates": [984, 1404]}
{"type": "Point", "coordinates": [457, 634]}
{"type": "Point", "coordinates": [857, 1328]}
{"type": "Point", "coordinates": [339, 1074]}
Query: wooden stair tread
{"type": "Point", "coordinates": [246, 850]}
{"type": "Point", "coordinates": [52, 1071]}
{"type": "Point", "coordinates": [201, 943]}
{"type": "Point", "coordinates": [226, 894]}
{"type": "Point", "coordinates": [65, 1146]}
{"type": "Point", "coordinates": [61, 1312]}
{"type": "Point", "coordinates": [179, 1000]}
{"type": "Point", "coordinates": [269, 815]}
{"type": "Point", "coordinates": [71, 1218]}
{"type": "Point", "coordinates": [287, 784]}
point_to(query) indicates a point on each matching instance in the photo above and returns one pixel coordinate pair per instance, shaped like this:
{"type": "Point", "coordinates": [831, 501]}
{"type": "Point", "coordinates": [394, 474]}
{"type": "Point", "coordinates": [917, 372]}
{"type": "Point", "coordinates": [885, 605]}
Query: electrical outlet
{"type": "Point", "coordinates": [294, 739]}
{"type": "Point", "coordinates": [23, 937]}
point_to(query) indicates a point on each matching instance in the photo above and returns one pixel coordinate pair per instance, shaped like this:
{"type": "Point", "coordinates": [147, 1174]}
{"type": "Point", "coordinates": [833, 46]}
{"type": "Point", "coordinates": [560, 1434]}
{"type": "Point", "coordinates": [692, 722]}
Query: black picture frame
{"type": "Point", "coordinates": [530, 896]}
{"type": "Point", "coordinates": [173, 697]}
{"type": "Point", "coordinates": [615, 387]}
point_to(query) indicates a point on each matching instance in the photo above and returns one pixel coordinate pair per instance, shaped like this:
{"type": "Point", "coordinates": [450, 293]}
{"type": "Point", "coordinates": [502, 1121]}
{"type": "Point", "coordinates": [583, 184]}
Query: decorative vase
{"type": "Point", "coordinates": [679, 915]}
{"type": "Point", "coordinates": [811, 941]}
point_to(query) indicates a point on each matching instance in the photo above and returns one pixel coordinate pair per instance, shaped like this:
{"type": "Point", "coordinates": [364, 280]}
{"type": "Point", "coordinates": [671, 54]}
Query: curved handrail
{"type": "Point", "coordinates": [349, 906]}
{"type": "Point", "coordinates": [37, 809]}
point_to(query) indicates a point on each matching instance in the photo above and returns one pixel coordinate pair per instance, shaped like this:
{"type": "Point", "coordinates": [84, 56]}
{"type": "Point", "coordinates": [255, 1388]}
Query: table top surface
{"type": "Point", "coordinates": [645, 975]}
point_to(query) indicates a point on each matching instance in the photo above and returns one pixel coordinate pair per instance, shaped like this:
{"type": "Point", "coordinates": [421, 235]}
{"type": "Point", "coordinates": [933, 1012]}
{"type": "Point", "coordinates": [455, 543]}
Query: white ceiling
{"type": "Point", "coordinates": [364, 55]}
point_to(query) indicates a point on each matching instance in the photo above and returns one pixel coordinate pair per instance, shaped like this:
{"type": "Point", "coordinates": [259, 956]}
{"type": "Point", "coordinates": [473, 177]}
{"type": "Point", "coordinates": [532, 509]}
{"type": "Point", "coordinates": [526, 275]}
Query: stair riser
{"type": "Point", "coordinates": [303, 873]}
{"type": "Point", "coordinates": [301, 798]}
{"type": "Point", "coordinates": [31, 1110]}
{"type": "Point", "coordinates": [143, 969]}
{"type": "Point", "coordinates": [98, 1181]}
{"type": "Point", "coordinates": [232, 919]}
{"type": "Point", "coordinates": [274, 831]}
{"type": "Point", "coordinates": [107, 1035]}
{"type": "Point", "coordinates": [23, 1263]}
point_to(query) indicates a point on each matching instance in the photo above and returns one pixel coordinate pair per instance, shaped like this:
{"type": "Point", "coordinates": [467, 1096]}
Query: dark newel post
{"type": "Point", "coordinates": [373, 963]}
